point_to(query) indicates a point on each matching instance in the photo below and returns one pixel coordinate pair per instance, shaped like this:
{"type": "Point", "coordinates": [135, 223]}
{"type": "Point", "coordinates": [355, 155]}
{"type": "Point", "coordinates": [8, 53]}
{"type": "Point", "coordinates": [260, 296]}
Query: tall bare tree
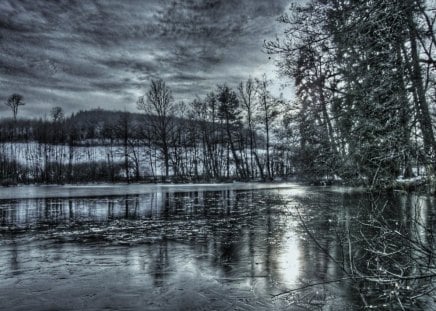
{"type": "Point", "coordinates": [159, 104]}
{"type": "Point", "coordinates": [268, 111]}
{"type": "Point", "coordinates": [247, 92]}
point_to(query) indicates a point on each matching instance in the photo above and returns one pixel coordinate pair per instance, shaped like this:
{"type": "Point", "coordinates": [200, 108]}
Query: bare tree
{"type": "Point", "coordinates": [268, 111]}
{"type": "Point", "coordinates": [13, 102]}
{"type": "Point", "coordinates": [159, 103]}
{"type": "Point", "coordinates": [122, 132]}
{"type": "Point", "coordinates": [247, 93]}
{"type": "Point", "coordinates": [230, 113]}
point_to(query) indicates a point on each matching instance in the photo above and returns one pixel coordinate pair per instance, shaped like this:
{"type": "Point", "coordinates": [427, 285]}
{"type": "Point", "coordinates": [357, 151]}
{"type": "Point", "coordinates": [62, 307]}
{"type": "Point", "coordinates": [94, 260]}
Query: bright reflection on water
{"type": "Point", "coordinates": [172, 249]}
{"type": "Point", "coordinates": [289, 260]}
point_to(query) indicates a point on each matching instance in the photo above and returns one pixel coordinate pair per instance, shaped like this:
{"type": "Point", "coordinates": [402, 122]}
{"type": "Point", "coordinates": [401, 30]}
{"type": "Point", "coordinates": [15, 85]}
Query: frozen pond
{"type": "Point", "coordinates": [187, 247]}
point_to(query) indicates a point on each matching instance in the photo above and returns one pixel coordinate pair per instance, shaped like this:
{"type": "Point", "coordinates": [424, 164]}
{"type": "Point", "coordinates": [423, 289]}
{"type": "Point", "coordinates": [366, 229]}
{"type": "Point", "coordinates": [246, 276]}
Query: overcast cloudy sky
{"type": "Point", "coordinates": [88, 54]}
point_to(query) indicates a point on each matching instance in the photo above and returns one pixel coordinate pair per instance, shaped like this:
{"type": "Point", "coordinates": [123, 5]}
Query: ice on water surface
{"type": "Point", "coordinates": [221, 245]}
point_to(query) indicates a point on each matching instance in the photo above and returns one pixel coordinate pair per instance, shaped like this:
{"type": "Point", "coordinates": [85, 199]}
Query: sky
{"type": "Point", "coordinates": [88, 54]}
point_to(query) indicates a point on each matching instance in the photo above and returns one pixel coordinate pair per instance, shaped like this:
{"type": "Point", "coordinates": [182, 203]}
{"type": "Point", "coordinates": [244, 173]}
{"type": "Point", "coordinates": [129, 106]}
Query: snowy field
{"type": "Point", "coordinates": [148, 160]}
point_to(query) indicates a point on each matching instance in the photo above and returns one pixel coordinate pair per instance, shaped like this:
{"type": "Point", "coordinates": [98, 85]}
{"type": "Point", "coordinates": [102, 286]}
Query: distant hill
{"type": "Point", "coordinates": [85, 125]}
{"type": "Point", "coordinates": [96, 116]}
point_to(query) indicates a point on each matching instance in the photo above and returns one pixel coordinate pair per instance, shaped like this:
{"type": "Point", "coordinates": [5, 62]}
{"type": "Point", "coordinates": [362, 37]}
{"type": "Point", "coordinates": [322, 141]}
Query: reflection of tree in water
{"type": "Point", "coordinates": [247, 242]}
{"type": "Point", "coordinates": [224, 231]}
{"type": "Point", "coordinates": [53, 213]}
{"type": "Point", "coordinates": [228, 252]}
{"type": "Point", "coordinates": [131, 207]}
{"type": "Point", "coordinates": [8, 212]}
{"type": "Point", "coordinates": [161, 264]}
{"type": "Point", "coordinates": [272, 235]}
{"type": "Point", "coordinates": [382, 249]}
{"type": "Point", "coordinates": [110, 209]}
{"type": "Point", "coordinates": [15, 265]}
{"type": "Point", "coordinates": [230, 224]}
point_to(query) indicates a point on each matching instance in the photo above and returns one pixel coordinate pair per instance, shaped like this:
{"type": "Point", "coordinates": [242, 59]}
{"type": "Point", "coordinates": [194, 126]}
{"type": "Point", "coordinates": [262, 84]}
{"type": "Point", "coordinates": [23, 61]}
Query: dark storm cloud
{"type": "Point", "coordinates": [80, 54]}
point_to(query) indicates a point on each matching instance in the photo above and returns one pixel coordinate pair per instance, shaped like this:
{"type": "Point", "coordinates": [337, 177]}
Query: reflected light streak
{"type": "Point", "coordinates": [289, 260]}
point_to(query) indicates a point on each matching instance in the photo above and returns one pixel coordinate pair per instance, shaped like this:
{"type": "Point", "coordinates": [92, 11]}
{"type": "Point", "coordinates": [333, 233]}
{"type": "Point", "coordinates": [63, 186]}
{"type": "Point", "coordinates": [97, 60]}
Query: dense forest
{"type": "Point", "coordinates": [362, 114]}
{"type": "Point", "coordinates": [365, 85]}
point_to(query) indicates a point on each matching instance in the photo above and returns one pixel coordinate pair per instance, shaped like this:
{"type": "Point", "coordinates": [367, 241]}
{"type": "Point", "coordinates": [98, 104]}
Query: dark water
{"type": "Point", "coordinates": [219, 248]}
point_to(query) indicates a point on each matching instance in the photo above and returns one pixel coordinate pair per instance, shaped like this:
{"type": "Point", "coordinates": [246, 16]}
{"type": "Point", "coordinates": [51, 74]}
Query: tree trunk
{"type": "Point", "coordinates": [424, 113]}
